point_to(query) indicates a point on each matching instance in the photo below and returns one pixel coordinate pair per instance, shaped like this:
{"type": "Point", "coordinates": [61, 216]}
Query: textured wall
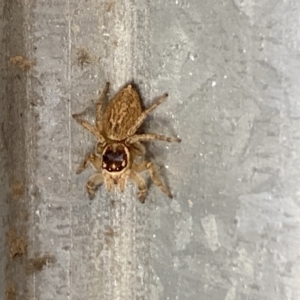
{"type": "Point", "coordinates": [14, 166]}
{"type": "Point", "coordinates": [3, 165]}
{"type": "Point", "coordinates": [231, 70]}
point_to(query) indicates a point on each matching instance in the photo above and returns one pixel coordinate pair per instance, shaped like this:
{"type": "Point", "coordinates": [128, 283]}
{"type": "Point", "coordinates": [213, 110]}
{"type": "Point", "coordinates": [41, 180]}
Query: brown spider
{"type": "Point", "coordinates": [118, 144]}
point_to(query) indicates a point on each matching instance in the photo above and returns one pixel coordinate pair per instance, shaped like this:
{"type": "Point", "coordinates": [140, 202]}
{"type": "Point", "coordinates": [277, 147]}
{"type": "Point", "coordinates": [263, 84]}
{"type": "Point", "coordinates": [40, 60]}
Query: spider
{"type": "Point", "coordinates": [119, 146]}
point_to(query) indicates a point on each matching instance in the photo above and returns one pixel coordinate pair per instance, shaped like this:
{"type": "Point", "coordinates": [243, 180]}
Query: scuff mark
{"type": "Point", "coordinates": [231, 294]}
{"type": "Point", "coordinates": [184, 235]}
{"type": "Point", "coordinates": [211, 232]}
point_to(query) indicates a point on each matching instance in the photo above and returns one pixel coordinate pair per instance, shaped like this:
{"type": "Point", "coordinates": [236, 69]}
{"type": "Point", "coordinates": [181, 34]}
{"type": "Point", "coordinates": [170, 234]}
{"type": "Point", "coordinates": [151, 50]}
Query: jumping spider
{"type": "Point", "coordinates": [114, 158]}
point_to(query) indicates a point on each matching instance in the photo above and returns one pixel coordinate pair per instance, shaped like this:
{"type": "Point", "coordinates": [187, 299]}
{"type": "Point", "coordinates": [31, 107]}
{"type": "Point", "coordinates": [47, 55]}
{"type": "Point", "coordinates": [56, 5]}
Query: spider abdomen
{"type": "Point", "coordinates": [121, 113]}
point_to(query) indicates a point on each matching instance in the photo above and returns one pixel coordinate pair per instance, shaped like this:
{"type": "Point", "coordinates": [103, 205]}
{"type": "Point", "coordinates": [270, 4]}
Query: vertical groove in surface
{"type": "Point", "coordinates": [121, 29]}
{"type": "Point", "coordinates": [4, 152]}
{"type": "Point", "coordinates": [13, 128]}
{"type": "Point", "coordinates": [68, 96]}
{"type": "Point", "coordinates": [117, 254]}
{"type": "Point", "coordinates": [31, 149]}
{"type": "Point", "coordinates": [121, 260]}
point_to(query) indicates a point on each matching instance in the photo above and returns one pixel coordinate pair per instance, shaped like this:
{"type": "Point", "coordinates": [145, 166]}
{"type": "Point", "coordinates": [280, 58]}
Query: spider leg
{"type": "Point", "coordinates": [141, 185]}
{"type": "Point", "coordinates": [95, 180]}
{"type": "Point", "coordinates": [92, 159]}
{"type": "Point", "coordinates": [109, 183]}
{"type": "Point", "coordinates": [144, 114]}
{"type": "Point", "coordinates": [99, 112]}
{"type": "Point", "coordinates": [137, 149]}
{"type": "Point", "coordinates": [150, 137]}
{"type": "Point", "coordinates": [149, 166]}
{"type": "Point", "coordinates": [90, 128]}
{"type": "Point", "coordinates": [87, 160]}
{"type": "Point", "coordinates": [122, 181]}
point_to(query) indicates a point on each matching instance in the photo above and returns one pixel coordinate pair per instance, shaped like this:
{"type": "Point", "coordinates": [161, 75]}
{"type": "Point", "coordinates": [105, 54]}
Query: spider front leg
{"type": "Point", "coordinates": [149, 166]}
{"type": "Point", "coordinates": [99, 111]}
{"type": "Point", "coordinates": [123, 180]}
{"type": "Point", "coordinates": [90, 128]}
{"type": "Point", "coordinates": [137, 149]}
{"type": "Point", "coordinates": [150, 137]}
{"type": "Point", "coordinates": [94, 181]}
{"type": "Point", "coordinates": [90, 159]}
{"type": "Point", "coordinates": [141, 185]}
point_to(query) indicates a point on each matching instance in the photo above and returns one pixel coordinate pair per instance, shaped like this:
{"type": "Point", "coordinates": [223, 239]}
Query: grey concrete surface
{"type": "Point", "coordinates": [231, 70]}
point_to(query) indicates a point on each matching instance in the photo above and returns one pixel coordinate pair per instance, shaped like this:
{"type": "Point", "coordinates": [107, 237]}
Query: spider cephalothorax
{"type": "Point", "coordinates": [115, 157]}
{"type": "Point", "coordinates": [119, 145]}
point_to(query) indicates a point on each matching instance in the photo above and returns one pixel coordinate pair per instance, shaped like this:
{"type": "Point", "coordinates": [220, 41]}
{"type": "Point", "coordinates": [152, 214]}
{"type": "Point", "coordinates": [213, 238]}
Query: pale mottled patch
{"type": "Point", "coordinates": [211, 232]}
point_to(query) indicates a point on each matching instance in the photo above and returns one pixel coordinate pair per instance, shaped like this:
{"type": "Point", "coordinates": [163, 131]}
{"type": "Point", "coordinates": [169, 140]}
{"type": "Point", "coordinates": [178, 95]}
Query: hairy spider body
{"type": "Point", "coordinates": [121, 114]}
{"type": "Point", "coordinates": [118, 144]}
